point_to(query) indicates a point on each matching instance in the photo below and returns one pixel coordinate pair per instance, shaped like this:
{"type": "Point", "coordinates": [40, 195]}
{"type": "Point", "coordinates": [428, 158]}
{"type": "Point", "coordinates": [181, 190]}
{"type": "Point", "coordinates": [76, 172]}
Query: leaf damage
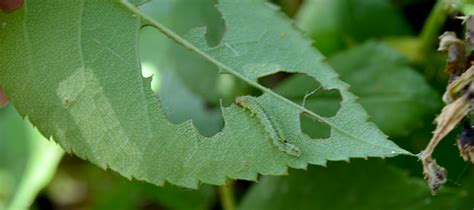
{"type": "Point", "coordinates": [100, 107]}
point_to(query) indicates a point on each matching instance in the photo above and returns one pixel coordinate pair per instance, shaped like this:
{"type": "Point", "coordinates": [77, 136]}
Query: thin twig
{"type": "Point", "coordinates": [226, 194]}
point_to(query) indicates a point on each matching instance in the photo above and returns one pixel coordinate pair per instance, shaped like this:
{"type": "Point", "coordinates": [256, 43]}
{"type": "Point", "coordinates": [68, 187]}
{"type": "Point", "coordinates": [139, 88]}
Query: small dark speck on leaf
{"type": "Point", "coordinates": [10, 5]}
{"type": "Point", "coordinates": [68, 102]}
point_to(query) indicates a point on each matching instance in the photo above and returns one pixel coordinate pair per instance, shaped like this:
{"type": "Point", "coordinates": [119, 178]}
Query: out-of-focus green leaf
{"type": "Point", "coordinates": [396, 96]}
{"type": "Point", "coordinates": [103, 190]}
{"type": "Point", "coordinates": [337, 24]}
{"type": "Point", "coordinates": [94, 101]}
{"type": "Point", "coordinates": [176, 198]}
{"type": "Point", "coordinates": [27, 161]}
{"type": "Point", "coordinates": [362, 185]}
{"type": "Point", "coordinates": [466, 189]}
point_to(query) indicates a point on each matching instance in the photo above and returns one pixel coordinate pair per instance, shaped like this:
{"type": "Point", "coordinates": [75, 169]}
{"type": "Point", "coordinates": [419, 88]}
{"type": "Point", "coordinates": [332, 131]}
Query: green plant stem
{"type": "Point", "coordinates": [433, 24]}
{"type": "Point", "coordinates": [226, 194]}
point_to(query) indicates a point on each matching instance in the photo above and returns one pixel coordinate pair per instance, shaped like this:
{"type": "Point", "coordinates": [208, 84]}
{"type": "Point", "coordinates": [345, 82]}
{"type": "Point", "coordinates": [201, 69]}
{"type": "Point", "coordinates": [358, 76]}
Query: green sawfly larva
{"type": "Point", "coordinates": [273, 131]}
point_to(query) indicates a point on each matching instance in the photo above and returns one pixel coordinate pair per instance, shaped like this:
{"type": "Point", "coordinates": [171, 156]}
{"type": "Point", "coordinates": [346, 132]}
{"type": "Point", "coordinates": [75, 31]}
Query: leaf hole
{"type": "Point", "coordinates": [314, 128]}
{"type": "Point", "coordinates": [305, 91]}
{"type": "Point", "coordinates": [215, 29]}
{"type": "Point", "coordinates": [189, 87]}
{"type": "Point", "coordinates": [273, 80]}
{"type": "Point", "coordinates": [183, 16]}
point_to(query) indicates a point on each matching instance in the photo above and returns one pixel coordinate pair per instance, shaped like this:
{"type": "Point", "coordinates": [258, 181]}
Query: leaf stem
{"type": "Point", "coordinates": [433, 24]}
{"type": "Point", "coordinates": [226, 194]}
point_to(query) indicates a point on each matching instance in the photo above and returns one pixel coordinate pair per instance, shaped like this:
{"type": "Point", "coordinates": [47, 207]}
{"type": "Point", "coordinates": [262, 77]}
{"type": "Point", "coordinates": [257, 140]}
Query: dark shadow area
{"type": "Point", "coordinates": [272, 80]}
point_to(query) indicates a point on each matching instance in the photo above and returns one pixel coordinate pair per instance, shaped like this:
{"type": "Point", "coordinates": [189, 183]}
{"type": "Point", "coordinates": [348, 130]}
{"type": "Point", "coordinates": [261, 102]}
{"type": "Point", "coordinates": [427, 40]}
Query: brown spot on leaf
{"type": "Point", "coordinates": [246, 164]}
{"type": "Point", "coordinates": [3, 98]}
{"type": "Point", "coordinates": [10, 5]}
{"type": "Point", "coordinates": [68, 102]}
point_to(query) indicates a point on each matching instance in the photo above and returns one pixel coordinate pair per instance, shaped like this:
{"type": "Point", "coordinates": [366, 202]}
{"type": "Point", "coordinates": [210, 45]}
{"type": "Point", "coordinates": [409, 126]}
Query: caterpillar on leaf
{"type": "Point", "coordinates": [272, 130]}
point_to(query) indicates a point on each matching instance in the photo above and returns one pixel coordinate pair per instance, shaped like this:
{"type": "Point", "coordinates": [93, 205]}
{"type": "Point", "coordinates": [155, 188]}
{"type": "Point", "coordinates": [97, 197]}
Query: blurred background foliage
{"type": "Point", "coordinates": [386, 51]}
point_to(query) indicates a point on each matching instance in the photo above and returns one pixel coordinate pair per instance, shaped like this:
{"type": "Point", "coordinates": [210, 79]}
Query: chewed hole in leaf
{"type": "Point", "coordinates": [305, 91]}
{"type": "Point", "coordinates": [273, 80]}
{"type": "Point", "coordinates": [313, 128]}
{"type": "Point", "coordinates": [188, 88]}
{"type": "Point", "coordinates": [216, 27]}
{"type": "Point", "coordinates": [183, 16]}
{"type": "Point", "coordinates": [151, 75]}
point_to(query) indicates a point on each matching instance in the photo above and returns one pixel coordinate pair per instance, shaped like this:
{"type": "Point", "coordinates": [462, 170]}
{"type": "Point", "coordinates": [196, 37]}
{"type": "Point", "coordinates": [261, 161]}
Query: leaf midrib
{"type": "Point", "coordinates": [172, 35]}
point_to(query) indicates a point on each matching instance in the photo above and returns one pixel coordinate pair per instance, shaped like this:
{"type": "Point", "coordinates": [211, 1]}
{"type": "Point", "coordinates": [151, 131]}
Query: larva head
{"type": "Point", "coordinates": [243, 101]}
{"type": "Point", "coordinates": [239, 100]}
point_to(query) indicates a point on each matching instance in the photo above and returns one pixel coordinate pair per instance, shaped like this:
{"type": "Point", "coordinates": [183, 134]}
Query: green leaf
{"type": "Point", "coordinates": [337, 24]}
{"type": "Point", "coordinates": [172, 197]}
{"type": "Point", "coordinates": [467, 191]}
{"type": "Point", "coordinates": [395, 95]}
{"type": "Point", "coordinates": [362, 185]}
{"type": "Point", "coordinates": [111, 191]}
{"type": "Point", "coordinates": [79, 81]}
{"type": "Point", "coordinates": [27, 161]}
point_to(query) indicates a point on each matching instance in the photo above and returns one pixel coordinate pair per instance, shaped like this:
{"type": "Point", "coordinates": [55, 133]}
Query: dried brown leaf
{"type": "Point", "coordinates": [450, 116]}
{"type": "Point", "coordinates": [456, 53]}
{"type": "Point", "coordinates": [466, 142]}
{"type": "Point", "coordinates": [458, 86]}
